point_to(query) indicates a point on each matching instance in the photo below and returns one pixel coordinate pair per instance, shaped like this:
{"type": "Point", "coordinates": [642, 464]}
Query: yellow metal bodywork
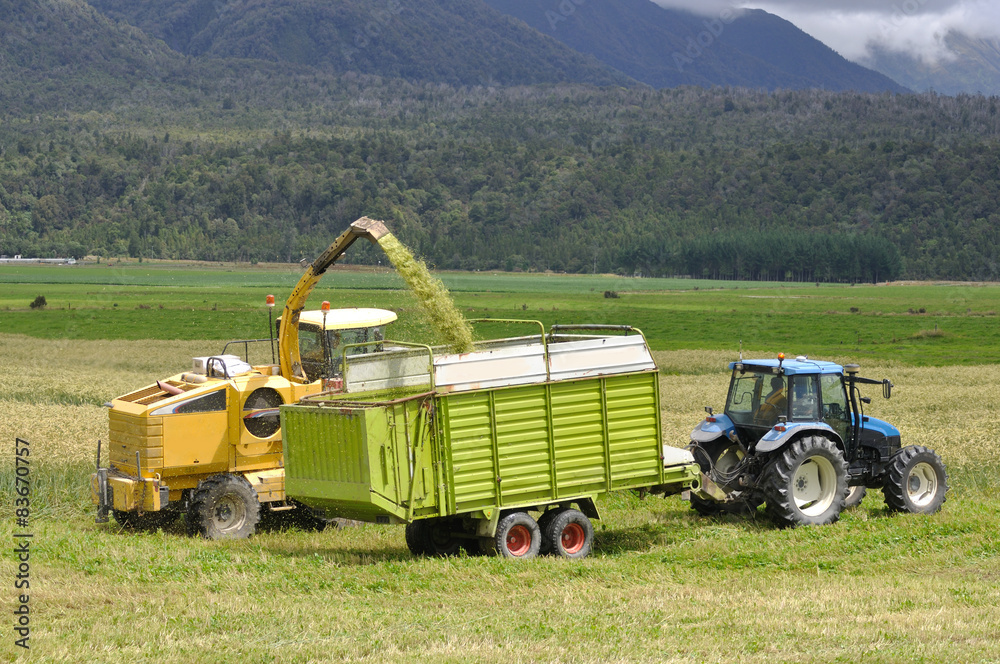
{"type": "Point", "coordinates": [179, 431]}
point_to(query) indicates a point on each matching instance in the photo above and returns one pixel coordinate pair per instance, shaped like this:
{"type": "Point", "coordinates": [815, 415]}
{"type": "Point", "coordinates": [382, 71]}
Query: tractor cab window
{"type": "Point", "coordinates": [757, 399]}
{"type": "Point", "coordinates": [804, 404]}
{"type": "Point", "coordinates": [835, 410]}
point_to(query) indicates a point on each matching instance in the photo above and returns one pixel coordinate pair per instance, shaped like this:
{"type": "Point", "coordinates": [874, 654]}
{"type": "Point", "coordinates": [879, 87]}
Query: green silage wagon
{"type": "Point", "coordinates": [465, 449]}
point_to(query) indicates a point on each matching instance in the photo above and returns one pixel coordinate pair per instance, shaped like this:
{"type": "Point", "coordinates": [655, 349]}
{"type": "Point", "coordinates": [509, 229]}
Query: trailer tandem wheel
{"type": "Point", "coordinates": [569, 534]}
{"type": "Point", "coordinates": [517, 536]}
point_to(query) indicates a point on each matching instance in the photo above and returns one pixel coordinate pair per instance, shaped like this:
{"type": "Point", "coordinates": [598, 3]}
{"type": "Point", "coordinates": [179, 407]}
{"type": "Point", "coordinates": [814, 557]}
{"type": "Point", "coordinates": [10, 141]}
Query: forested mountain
{"type": "Point", "coordinates": [974, 67]}
{"type": "Point", "coordinates": [450, 41]}
{"type": "Point", "coordinates": [48, 44]}
{"type": "Point", "coordinates": [807, 185]}
{"type": "Point", "coordinates": [666, 47]}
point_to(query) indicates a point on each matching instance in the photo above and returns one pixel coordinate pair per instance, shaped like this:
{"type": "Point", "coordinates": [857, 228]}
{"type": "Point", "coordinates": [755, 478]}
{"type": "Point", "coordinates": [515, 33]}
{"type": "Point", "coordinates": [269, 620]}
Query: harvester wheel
{"type": "Point", "coordinates": [806, 484]}
{"type": "Point", "coordinates": [224, 507]}
{"type": "Point", "coordinates": [855, 495]}
{"type": "Point", "coordinates": [569, 534]}
{"type": "Point", "coordinates": [916, 481]}
{"type": "Point", "coordinates": [517, 536]}
{"type": "Point", "coordinates": [149, 521]}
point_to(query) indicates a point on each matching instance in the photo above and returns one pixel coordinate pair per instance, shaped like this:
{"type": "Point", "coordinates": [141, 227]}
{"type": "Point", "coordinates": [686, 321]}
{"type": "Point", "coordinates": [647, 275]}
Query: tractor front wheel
{"type": "Point", "coordinates": [854, 496]}
{"type": "Point", "coordinates": [916, 481]}
{"type": "Point", "coordinates": [224, 507]}
{"type": "Point", "coordinates": [806, 484]}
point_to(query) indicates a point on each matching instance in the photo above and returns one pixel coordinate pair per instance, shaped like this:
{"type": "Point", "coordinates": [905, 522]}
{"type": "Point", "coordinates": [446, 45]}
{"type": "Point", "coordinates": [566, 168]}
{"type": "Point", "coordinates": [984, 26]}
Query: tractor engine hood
{"type": "Point", "coordinates": [881, 426]}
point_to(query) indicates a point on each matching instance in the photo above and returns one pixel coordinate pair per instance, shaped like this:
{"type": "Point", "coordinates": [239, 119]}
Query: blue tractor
{"type": "Point", "coordinates": [794, 437]}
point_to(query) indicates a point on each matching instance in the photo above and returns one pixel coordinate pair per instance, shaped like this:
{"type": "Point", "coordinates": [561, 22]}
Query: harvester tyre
{"type": "Point", "coordinates": [855, 495]}
{"type": "Point", "coordinates": [806, 484]}
{"type": "Point", "coordinates": [916, 481]}
{"type": "Point", "coordinates": [147, 521]}
{"type": "Point", "coordinates": [517, 536]}
{"type": "Point", "coordinates": [569, 534]}
{"type": "Point", "coordinates": [224, 507]}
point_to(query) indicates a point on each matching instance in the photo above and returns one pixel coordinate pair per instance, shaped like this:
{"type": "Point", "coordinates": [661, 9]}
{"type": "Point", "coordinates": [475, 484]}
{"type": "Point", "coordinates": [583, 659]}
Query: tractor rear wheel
{"type": "Point", "coordinates": [569, 534]}
{"type": "Point", "coordinates": [224, 507]}
{"type": "Point", "coordinates": [806, 484]}
{"type": "Point", "coordinates": [147, 521]}
{"type": "Point", "coordinates": [916, 481]}
{"type": "Point", "coordinates": [517, 536]}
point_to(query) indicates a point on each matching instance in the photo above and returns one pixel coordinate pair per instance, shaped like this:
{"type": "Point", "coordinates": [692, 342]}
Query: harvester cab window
{"type": "Point", "coordinates": [311, 350]}
{"type": "Point", "coordinates": [805, 398]}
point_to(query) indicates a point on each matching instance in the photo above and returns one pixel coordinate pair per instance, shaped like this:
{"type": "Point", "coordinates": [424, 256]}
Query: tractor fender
{"type": "Point", "coordinates": [707, 431]}
{"type": "Point", "coordinates": [775, 439]}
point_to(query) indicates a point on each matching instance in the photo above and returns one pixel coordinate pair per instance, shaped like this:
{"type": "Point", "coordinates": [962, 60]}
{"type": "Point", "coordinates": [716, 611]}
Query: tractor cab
{"type": "Point", "coordinates": [325, 335]}
{"type": "Point", "coordinates": [764, 394]}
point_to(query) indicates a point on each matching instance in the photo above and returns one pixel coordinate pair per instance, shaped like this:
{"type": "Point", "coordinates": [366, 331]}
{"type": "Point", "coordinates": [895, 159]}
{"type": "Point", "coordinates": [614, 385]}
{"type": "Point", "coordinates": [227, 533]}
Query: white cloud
{"type": "Point", "coordinates": [852, 27]}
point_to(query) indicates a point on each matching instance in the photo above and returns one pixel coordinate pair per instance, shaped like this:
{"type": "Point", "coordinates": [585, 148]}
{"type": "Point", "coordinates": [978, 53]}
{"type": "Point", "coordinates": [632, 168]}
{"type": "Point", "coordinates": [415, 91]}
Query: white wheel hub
{"type": "Point", "coordinates": [921, 485]}
{"type": "Point", "coordinates": [814, 485]}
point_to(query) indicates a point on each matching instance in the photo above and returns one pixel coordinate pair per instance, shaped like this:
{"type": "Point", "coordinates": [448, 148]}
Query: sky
{"type": "Point", "coordinates": [852, 27]}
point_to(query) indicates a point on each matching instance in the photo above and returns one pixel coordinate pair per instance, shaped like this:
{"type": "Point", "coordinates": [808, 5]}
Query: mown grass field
{"type": "Point", "coordinates": [662, 585]}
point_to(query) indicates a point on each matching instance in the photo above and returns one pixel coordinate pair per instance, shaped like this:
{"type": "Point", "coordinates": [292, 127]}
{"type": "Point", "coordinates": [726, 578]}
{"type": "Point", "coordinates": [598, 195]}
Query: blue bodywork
{"type": "Point", "coordinates": [707, 431]}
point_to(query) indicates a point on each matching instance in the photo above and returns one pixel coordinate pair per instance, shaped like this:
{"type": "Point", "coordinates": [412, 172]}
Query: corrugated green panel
{"type": "Point", "coordinates": [468, 428]}
{"type": "Point", "coordinates": [522, 425]}
{"type": "Point", "coordinates": [327, 446]}
{"type": "Point", "coordinates": [578, 434]}
{"type": "Point", "coordinates": [632, 430]}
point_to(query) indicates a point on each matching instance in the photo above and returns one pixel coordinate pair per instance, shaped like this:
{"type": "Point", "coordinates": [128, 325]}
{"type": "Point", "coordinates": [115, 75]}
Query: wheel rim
{"type": "Point", "coordinates": [573, 538]}
{"type": "Point", "coordinates": [230, 513]}
{"type": "Point", "coordinates": [518, 540]}
{"type": "Point", "coordinates": [814, 486]}
{"type": "Point", "coordinates": [921, 485]}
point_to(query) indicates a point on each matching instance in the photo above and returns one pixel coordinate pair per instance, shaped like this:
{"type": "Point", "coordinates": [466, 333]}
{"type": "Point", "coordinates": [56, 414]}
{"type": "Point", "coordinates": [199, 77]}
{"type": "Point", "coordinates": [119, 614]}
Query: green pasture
{"type": "Point", "coordinates": [915, 324]}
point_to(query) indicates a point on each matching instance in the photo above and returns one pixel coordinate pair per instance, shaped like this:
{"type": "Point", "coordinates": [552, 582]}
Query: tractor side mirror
{"type": "Point", "coordinates": [886, 388]}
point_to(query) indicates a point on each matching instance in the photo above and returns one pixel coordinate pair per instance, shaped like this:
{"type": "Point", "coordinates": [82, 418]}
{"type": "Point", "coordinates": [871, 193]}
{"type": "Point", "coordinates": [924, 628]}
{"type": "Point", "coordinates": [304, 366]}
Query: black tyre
{"type": "Point", "coordinates": [517, 536]}
{"type": "Point", "coordinates": [415, 537]}
{"type": "Point", "coordinates": [544, 520]}
{"type": "Point", "coordinates": [806, 484]}
{"type": "Point", "coordinates": [569, 534]}
{"type": "Point", "coordinates": [916, 481]}
{"type": "Point", "coordinates": [855, 495]}
{"type": "Point", "coordinates": [147, 521]}
{"type": "Point", "coordinates": [224, 507]}
{"type": "Point", "coordinates": [439, 539]}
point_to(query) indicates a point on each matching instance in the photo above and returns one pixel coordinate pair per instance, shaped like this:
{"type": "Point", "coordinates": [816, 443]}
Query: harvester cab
{"type": "Point", "coordinates": [794, 436]}
{"type": "Point", "coordinates": [206, 442]}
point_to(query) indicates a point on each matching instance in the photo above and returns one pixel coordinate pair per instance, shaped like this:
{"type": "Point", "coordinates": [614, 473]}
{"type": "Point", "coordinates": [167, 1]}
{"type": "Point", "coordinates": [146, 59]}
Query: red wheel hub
{"type": "Point", "coordinates": [573, 538]}
{"type": "Point", "coordinates": [518, 541]}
